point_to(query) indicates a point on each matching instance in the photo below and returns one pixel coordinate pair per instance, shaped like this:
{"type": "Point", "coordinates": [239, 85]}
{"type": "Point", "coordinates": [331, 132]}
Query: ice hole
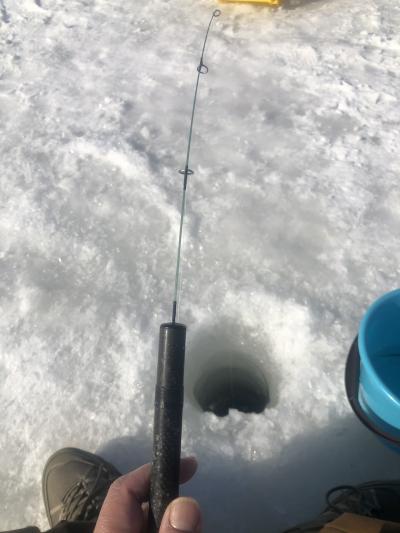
{"type": "Point", "coordinates": [240, 386]}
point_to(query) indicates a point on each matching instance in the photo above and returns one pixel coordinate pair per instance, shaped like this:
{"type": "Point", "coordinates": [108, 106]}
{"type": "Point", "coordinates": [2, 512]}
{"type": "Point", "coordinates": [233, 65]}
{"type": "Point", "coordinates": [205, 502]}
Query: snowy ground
{"type": "Point", "coordinates": [292, 231]}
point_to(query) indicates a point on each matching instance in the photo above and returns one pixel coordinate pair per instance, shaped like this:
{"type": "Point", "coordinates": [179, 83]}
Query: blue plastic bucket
{"type": "Point", "coordinates": [373, 369]}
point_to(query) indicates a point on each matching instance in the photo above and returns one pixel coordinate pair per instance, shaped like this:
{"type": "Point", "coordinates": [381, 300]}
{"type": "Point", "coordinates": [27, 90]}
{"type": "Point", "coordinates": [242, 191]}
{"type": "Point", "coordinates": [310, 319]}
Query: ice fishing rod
{"type": "Point", "coordinates": [168, 404]}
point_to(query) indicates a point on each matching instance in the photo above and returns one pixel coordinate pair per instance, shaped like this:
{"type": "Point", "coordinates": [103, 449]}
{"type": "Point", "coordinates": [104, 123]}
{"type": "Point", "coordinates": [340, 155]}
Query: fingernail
{"type": "Point", "coordinates": [185, 515]}
{"type": "Point", "coordinates": [190, 457]}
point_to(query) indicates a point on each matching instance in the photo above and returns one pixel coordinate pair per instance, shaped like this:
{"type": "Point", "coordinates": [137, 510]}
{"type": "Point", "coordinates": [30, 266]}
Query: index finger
{"type": "Point", "coordinates": [138, 481]}
{"type": "Point", "coordinates": [122, 511]}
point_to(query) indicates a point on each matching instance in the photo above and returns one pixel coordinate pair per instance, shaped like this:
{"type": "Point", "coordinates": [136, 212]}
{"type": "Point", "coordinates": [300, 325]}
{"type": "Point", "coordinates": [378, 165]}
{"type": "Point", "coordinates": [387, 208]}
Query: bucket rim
{"type": "Point", "coordinates": [352, 382]}
{"type": "Point", "coordinates": [362, 348]}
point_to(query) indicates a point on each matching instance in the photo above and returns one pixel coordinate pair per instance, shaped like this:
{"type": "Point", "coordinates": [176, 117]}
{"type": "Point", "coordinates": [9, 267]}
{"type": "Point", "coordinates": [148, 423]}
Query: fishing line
{"type": "Point", "coordinates": [201, 69]}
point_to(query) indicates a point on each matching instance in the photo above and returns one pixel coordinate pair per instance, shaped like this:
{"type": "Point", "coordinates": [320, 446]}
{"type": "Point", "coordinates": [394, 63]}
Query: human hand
{"type": "Point", "coordinates": [125, 508]}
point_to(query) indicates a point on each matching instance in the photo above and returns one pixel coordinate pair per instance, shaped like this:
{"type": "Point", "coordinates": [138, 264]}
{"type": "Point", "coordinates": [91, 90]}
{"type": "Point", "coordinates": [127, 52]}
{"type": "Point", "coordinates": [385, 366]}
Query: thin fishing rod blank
{"type": "Point", "coordinates": [168, 405]}
{"type": "Point", "coordinates": [201, 69]}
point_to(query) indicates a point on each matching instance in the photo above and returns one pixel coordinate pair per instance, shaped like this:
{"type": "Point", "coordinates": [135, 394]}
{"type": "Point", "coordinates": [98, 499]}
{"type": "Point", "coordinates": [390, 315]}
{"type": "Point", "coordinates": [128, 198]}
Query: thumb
{"type": "Point", "coordinates": [183, 515]}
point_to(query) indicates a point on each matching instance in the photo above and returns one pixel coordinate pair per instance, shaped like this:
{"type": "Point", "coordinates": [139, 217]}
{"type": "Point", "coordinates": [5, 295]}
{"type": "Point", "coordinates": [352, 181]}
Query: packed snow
{"type": "Point", "coordinates": [292, 231]}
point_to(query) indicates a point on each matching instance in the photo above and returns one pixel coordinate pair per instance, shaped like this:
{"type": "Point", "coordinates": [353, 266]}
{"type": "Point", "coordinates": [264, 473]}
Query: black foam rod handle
{"type": "Point", "coordinates": [168, 407]}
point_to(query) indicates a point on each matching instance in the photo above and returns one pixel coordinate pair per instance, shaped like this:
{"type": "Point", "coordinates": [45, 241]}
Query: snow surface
{"type": "Point", "coordinates": [292, 230]}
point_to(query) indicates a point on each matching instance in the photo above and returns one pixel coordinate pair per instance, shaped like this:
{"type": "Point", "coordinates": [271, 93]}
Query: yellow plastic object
{"type": "Point", "coordinates": [275, 3]}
